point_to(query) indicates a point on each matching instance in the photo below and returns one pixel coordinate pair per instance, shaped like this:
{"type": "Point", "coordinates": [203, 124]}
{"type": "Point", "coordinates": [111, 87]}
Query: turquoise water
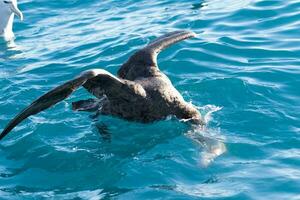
{"type": "Point", "coordinates": [244, 65]}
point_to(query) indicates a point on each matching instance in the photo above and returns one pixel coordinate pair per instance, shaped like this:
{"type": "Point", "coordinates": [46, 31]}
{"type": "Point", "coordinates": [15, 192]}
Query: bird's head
{"type": "Point", "coordinates": [11, 6]}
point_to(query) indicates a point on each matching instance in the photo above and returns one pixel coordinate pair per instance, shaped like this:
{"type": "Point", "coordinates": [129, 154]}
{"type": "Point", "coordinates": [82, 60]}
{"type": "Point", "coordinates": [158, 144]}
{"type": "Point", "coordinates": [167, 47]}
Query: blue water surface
{"type": "Point", "coordinates": [245, 63]}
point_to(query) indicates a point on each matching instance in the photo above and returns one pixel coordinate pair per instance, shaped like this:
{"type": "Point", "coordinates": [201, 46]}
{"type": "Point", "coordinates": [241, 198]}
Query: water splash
{"type": "Point", "coordinates": [209, 139]}
{"type": "Point", "coordinates": [207, 112]}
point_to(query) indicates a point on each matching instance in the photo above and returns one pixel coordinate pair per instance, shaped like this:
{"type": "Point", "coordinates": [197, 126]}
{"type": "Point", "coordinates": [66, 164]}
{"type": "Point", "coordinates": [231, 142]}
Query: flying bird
{"type": "Point", "coordinates": [140, 92]}
{"type": "Point", "coordinates": [8, 8]}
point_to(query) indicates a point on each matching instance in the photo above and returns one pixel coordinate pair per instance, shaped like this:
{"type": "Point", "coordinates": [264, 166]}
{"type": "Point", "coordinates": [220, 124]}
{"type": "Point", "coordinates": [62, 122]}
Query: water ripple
{"type": "Point", "coordinates": [244, 60]}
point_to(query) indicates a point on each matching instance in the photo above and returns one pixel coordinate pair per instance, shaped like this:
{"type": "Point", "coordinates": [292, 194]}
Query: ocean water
{"type": "Point", "coordinates": [242, 71]}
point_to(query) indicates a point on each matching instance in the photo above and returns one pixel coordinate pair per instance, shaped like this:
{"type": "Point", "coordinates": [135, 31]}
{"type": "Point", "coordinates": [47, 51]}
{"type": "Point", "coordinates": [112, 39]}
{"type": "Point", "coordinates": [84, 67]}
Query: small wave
{"type": "Point", "coordinates": [207, 190]}
{"type": "Point", "coordinates": [204, 190]}
{"type": "Point", "coordinates": [87, 194]}
{"type": "Point", "coordinates": [207, 112]}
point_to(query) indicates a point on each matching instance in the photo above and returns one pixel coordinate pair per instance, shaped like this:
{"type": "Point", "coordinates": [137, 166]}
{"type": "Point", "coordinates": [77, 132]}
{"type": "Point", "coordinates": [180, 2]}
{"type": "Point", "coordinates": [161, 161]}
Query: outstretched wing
{"type": "Point", "coordinates": [144, 62]}
{"type": "Point", "coordinates": [61, 92]}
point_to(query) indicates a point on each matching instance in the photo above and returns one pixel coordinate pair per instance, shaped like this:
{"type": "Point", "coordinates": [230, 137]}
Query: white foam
{"type": "Point", "coordinates": [207, 111]}
{"type": "Point", "coordinates": [209, 139]}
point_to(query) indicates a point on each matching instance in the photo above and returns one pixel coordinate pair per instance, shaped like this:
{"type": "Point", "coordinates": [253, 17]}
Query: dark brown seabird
{"type": "Point", "coordinates": [140, 93]}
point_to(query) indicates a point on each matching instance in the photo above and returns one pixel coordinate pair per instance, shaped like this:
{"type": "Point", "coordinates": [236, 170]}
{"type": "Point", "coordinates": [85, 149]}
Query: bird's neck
{"type": "Point", "coordinates": [6, 25]}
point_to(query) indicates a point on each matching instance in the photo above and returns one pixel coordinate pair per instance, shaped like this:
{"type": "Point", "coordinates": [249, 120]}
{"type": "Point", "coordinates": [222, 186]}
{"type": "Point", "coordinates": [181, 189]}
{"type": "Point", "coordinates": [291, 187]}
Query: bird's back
{"type": "Point", "coordinates": [164, 99]}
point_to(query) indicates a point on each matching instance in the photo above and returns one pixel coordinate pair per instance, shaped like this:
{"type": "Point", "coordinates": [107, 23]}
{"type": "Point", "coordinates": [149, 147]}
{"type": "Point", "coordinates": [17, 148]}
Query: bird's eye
{"type": "Point", "coordinates": [7, 2]}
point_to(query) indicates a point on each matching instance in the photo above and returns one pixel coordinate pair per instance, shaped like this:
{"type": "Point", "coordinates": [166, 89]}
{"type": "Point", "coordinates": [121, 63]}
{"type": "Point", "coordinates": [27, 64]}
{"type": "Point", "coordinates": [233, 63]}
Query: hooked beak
{"type": "Point", "coordinates": [14, 8]}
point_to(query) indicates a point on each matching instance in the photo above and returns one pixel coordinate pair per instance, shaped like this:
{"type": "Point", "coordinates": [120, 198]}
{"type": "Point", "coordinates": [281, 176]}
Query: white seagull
{"type": "Point", "coordinates": [8, 8]}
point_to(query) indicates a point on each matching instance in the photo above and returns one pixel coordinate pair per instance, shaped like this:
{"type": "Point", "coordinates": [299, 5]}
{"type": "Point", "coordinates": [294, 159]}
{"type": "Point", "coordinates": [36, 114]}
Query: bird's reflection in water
{"type": "Point", "coordinates": [10, 50]}
{"type": "Point", "coordinates": [104, 131]}
{"type": "Point", "coordinates": [140, 137]}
